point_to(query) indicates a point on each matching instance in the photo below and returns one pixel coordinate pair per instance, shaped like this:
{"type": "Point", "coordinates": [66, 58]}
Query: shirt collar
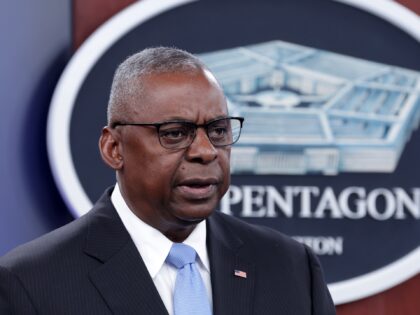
{"type": "Point", "coordinates": [152, 245]}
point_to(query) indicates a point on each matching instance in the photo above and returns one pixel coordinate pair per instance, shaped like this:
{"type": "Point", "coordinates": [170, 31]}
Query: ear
{"type": "Point", "coordinates": [109, 146]}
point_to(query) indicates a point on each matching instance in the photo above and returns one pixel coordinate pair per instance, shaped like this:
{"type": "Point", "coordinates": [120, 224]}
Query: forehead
{"type": "Point", "coordinates": [191, 96]}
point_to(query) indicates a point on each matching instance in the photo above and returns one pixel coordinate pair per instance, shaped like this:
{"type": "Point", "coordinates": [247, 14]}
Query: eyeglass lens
{"type": "Point", "coordinates": [221, 132]}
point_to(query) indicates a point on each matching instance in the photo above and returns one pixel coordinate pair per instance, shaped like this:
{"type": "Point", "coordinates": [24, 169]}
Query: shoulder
{"type": "Point", "coordinates": [67, 243]}
{"type": "Point", "coordinates": [284, 266]}
{"type": "Point", "coordinates": [56, 245]}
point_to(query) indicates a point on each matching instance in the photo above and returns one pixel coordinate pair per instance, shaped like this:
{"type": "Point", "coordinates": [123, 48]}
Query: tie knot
{"type": "Point", "coordinates": [181, 255]}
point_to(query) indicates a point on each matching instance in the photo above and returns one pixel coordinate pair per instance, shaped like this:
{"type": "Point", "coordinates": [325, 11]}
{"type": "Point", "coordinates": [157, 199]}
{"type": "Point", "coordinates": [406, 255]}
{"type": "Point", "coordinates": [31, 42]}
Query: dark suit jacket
{"type": "Point", "coordinates": [91, 266]}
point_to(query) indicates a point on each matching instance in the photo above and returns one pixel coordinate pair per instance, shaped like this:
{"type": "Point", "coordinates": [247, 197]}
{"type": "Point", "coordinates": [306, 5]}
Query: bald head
{"type": "Point", "coordinates": [129, 79]}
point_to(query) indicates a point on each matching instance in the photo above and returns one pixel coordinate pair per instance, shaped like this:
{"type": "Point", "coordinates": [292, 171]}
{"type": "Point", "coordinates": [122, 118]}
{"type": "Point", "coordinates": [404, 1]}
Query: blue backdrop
{"type": "Point", "coordinates": [35, 41]}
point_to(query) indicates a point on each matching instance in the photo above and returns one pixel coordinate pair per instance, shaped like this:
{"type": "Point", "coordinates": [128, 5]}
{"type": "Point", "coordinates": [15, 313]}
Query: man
{"type": "Point", "coordinates": [168, 138]}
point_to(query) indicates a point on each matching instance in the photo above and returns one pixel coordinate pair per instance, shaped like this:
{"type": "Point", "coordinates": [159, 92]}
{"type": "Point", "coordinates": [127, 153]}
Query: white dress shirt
{"type": "Point", "coordinates": [154, 247]}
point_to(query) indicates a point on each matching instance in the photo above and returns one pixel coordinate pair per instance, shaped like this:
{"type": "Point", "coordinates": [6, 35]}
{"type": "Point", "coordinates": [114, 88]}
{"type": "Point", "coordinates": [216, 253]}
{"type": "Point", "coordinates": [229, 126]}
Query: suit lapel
{"type": "Point", "coordinates": [232, 294]}
{"type": "Point", "coordinates": [126, 286]}
{"type": "Point", "coordinates": [122, 279]}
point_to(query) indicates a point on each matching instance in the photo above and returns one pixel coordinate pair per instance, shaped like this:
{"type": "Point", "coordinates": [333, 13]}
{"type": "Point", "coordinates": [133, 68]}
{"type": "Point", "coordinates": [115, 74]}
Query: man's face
{"type": "Point", "coordinates": [174, 189]}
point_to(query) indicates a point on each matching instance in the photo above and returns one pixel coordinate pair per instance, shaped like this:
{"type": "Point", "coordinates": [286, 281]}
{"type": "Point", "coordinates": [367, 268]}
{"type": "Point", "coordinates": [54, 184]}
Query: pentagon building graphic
{"type": "Point", "coordinates": [309, 111]}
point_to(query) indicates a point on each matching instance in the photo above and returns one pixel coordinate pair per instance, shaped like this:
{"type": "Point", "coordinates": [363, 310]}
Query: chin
{"type": "Point", "coordinates": [195, 214]}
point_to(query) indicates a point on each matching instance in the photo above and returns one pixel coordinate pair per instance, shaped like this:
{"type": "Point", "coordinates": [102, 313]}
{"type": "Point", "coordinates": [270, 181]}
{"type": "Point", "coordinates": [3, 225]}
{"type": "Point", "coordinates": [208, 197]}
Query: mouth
{"type": "Point", "coordinates": [197, 188]}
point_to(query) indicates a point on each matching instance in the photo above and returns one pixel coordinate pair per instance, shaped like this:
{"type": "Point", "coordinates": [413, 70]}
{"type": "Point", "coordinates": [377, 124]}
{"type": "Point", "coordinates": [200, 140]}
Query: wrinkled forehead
{"type": "Point", "coordinates": [181, 92]}
{"type": "Point", "coordinates": [188, 75]}
{"type": "Point", "coordinates": [155, 84]}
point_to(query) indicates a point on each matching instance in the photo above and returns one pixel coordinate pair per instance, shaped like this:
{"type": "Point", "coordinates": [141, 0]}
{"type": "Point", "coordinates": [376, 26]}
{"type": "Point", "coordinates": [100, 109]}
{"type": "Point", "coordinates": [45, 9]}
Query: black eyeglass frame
{"type": "Point", "coordinates": [158, 125]}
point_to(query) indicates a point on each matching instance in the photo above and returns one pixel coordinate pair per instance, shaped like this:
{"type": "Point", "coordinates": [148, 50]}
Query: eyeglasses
{"type": "Point", "coordinates": [180, 134]}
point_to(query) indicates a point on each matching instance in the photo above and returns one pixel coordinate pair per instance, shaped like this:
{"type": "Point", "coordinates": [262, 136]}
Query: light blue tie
{"type": "Point", "coordinates": [190, 297]}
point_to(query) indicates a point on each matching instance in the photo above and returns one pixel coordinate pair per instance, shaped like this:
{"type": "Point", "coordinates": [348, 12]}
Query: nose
{"type": "Point", "coordinates": [201, 149]}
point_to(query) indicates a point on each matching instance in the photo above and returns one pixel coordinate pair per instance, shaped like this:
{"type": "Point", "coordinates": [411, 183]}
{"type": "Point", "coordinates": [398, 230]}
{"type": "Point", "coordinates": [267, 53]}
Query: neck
{"type": "Point", "coordinates": [179, 235]}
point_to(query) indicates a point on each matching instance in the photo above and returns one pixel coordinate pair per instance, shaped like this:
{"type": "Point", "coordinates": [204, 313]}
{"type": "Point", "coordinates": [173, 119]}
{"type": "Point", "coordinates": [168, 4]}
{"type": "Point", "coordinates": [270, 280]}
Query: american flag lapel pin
{"type": "Point", "coordinates": [240, 273]}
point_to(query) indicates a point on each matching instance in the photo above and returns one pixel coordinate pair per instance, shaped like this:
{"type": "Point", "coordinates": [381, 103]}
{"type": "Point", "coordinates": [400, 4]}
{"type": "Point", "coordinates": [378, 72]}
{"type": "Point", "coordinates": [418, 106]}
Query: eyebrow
{"type": "Point", "coordinates": [180, 119]}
